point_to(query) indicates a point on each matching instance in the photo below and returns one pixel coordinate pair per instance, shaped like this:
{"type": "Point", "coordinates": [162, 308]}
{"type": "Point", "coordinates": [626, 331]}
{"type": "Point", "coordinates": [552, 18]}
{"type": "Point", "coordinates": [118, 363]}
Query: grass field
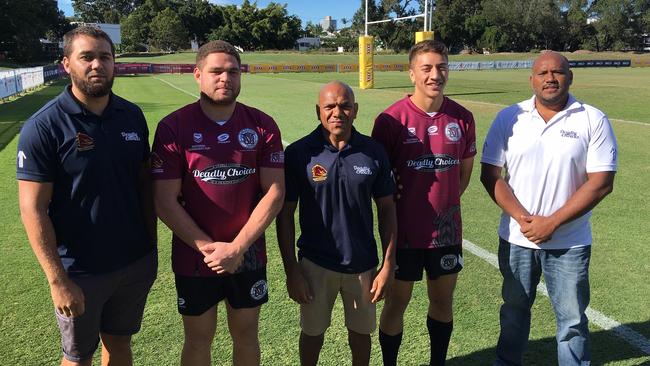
{"type": "Point", "coordinates": [619, 269]}
{"type": "Point", "coordinates": [351, 57]}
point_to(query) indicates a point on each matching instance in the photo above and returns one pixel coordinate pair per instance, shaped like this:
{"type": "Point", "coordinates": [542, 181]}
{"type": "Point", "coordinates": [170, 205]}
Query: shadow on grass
{"type": "Point", "coordinates": [15, 112]}
{"type": "Point", "coordinates": [606, 347]}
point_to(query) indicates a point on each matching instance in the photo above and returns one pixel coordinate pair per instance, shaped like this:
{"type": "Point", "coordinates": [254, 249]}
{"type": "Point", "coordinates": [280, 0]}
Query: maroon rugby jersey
{"type": "Point", "coordinates": [425, 153]}
{"type": "Point", "coordinates": [219, 168]}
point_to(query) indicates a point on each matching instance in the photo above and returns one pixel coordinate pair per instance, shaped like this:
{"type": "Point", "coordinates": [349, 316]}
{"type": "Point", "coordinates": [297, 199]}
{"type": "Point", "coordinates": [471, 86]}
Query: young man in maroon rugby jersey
{"type": "Point", "coordinates": [218, 177]}
{"type": "Point", "coordinates": [431, 143]}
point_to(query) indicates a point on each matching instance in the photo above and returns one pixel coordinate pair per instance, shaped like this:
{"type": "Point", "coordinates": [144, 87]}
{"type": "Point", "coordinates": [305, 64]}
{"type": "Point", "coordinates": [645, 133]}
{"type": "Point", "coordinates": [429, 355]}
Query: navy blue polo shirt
{"type": "Point", "coordinates": [93, 163]}
{"type": "Point", "coordinates": [335, 190]}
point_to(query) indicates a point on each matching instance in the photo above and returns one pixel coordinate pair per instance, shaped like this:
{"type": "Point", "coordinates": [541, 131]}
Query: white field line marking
{"type": "Point", "coordinates": [285, 143]}
{"type": "Point", "coordinates": [631, 336]}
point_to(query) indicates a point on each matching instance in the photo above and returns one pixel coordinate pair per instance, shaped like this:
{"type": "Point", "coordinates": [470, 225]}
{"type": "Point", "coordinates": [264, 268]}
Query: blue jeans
{"type": "Point", "coordinates": [566, 274]}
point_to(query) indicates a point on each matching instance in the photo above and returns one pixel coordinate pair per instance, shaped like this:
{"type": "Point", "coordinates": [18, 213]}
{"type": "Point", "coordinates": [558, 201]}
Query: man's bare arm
{"type": "Point", "coordinates": [146, 201]}
{"type": "Point", "coordinates": [297, 285]}
{"type": "Point", "coordinates": [466, 166]}
{"type": "Point", "coordinates": [387, 224]}
{"type": "Point", "coordinates": [501, 193]}
{"type": "Point", "coordinates": [34, 199]}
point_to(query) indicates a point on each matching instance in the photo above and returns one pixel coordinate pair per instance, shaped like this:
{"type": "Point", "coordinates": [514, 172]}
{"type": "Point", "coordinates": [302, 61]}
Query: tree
{"type": "Point", "coordinates": [397, 36]}
{"type": "Point", "coordinates": [252, 28]}
{"type": "Point", "coordinates": [312, 30]}
{"type": "Point", "coordinates": [104, 11]}
{"type": "Point", "coordinates": [135, 31]}
{"type": "Point", "coordinates": [167, 31]}
{"type": "Point", "coordinates": [459, 23]}
{"type": "Point", "coordinates": [22, 26]}
{"type": "Point", "coordinates": [199, 17]}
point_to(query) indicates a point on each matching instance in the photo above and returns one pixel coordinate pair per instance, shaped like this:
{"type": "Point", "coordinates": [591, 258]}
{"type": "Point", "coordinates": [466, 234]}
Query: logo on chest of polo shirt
{"type": "Point", "coordinates": [224, 173]}
{"type": "Point", "coordinates": [433, 163]}
{"type": "Point", "coordinates": [453, 132]}
{"type": "Point", "coordinates": [248, 138]}
{"type": "Point", "coordinates": [318, 173]}
{"type": "Point", "coordinates": [569, 134]}
{"type": "Point", "coordinates": [84, 142]}
{"type": "Point", "coordinates": [362, 170]}
{"type": "Point", "coordinates": [131, 136]}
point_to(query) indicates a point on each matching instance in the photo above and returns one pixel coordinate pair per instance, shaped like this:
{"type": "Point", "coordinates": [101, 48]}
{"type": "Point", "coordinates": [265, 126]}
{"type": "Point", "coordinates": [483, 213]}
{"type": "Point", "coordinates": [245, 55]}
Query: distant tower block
{"type": "Point", "coordinates": [328, 23]}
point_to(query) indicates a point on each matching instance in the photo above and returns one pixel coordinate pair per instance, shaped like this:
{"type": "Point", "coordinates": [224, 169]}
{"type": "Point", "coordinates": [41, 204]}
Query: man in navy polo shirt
{"type": "Point", "coordinates": [334, 172]}
{"type": "Point", "coordinates": [86, 203]}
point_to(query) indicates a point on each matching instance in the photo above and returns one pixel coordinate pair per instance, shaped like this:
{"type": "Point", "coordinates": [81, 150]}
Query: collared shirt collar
{"type": "Point", "coordinates": [317, 140]}
{"type": "Point", "coordinates": [71, 105]}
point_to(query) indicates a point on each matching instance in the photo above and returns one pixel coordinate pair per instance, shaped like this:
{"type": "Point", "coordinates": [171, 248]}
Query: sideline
{"type": "Point", "coordinates": [631, 336]}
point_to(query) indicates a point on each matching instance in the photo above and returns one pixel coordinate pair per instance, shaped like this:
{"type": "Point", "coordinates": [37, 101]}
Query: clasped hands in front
{"type": "Point", "coordinates": [222, 257]}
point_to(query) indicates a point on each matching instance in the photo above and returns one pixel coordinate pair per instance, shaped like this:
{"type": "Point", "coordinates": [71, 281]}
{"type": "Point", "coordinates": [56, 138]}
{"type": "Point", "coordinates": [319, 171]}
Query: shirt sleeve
{"type": "Point", "coordinates": [602, 153]}
{"type": "Point", "coordinates": [385, 183]}
{"type": "Point", "coordinates": [494, 146]}
{"type": "Point", "coordinates": [167, 161]}
{"type": "Point", "coordinates": [37, 153]}
{"type": "Point", "coordinates": [272, 153]}
{"type": "Point", "coordinates": [470, 137]}
{"type": "Point", "coordinates": [291, 178]}
{"type": "Point", "coordinates": [383, 133]}
{"type": "Point", "coordinates": [146, 152]}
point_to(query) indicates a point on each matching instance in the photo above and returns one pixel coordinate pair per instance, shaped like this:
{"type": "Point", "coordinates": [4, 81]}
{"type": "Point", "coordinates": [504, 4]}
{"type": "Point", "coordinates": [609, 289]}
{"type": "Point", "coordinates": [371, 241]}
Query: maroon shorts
{"type": "Point", "coordinates": [114, 304]}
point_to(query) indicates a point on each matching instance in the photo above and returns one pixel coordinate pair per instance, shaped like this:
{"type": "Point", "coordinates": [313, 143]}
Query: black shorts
{"type": "Point", "coordinates": [437, 262]}
{"type": "Point", "coordinates": [242, 290]}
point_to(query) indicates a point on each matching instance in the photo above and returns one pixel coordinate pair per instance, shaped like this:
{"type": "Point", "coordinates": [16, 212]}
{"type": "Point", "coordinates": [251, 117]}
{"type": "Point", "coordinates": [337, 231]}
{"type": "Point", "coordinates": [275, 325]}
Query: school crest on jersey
{"type": "Point", "coordinates": [248, 138]}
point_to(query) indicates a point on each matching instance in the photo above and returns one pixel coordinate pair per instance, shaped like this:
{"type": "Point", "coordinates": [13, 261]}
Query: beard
{"type": "Point", "coordinates": [92, 89]}
{"type": "Point", "coordinates": [223, 101]}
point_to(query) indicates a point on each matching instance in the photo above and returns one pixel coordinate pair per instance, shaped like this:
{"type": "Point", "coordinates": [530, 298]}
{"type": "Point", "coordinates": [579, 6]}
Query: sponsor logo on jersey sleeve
{"type": "Point", "coordinates": [84, 142]}
{"type": "Point", "coordinates": [277, 157]}
{"type": "Point", "coordinates": [453, 132]}
{"type": "Point", "coordinates": [411, 137]}
{"type": "Point", "coordinates": [259, 290]}
{"type": "Point", "coordinates": [224, 173]}
{"type": "Point", "coordinates": [131, 136]}
{"type": "Point", "coordinates": [156, 163]}
{"type": "Point", "coordinates": [318, 173]}
{"type": "Point", "coordinates": [433, 163]}
{"type": "Point", "coordinates": [472, 147]}
{"type": "Point", "coordinates": [411, 131]}
{"type": "Point", "coordinates": [248, 138]}
{"type": "Point", "coordinates": [197, 137]}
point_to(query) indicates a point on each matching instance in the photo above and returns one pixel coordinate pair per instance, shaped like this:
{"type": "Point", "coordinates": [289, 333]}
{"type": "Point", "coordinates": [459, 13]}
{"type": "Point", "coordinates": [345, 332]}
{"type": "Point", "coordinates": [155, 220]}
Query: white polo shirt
{"type": "Point", "coordinates": [546, 163]}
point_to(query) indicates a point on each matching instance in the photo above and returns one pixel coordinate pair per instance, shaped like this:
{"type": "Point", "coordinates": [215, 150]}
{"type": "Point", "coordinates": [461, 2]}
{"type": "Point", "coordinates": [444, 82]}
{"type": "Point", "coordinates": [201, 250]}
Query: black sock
{"type": "Point", "coordinates": [439, 335]}
{"type": "Point", "coordinates": [389, 347]}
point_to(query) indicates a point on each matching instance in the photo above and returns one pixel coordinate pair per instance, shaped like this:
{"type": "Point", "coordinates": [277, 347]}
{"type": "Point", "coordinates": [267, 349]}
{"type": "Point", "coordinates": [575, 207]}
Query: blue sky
{"type": "Point", "coordinates": [306, 10]}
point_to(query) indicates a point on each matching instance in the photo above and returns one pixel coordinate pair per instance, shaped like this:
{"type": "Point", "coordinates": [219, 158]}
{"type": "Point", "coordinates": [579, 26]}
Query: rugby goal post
{"type": "Point", "coordinates": [366, 48]}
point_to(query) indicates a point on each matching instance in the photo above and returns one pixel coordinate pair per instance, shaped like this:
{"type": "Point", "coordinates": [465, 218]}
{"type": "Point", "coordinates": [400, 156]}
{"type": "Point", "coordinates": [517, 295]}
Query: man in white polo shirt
{"type": "Point", "coordinates": [559, 156]}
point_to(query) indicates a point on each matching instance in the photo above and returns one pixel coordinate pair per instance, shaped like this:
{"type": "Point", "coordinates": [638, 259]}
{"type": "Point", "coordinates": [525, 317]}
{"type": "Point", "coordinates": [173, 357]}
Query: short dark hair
{"type": "Point", "coordinates": [85, 30]}
{"type": "Point", "coordinates": [426, 46]}
{"type": "Point", "coordinates": [216, 47]}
